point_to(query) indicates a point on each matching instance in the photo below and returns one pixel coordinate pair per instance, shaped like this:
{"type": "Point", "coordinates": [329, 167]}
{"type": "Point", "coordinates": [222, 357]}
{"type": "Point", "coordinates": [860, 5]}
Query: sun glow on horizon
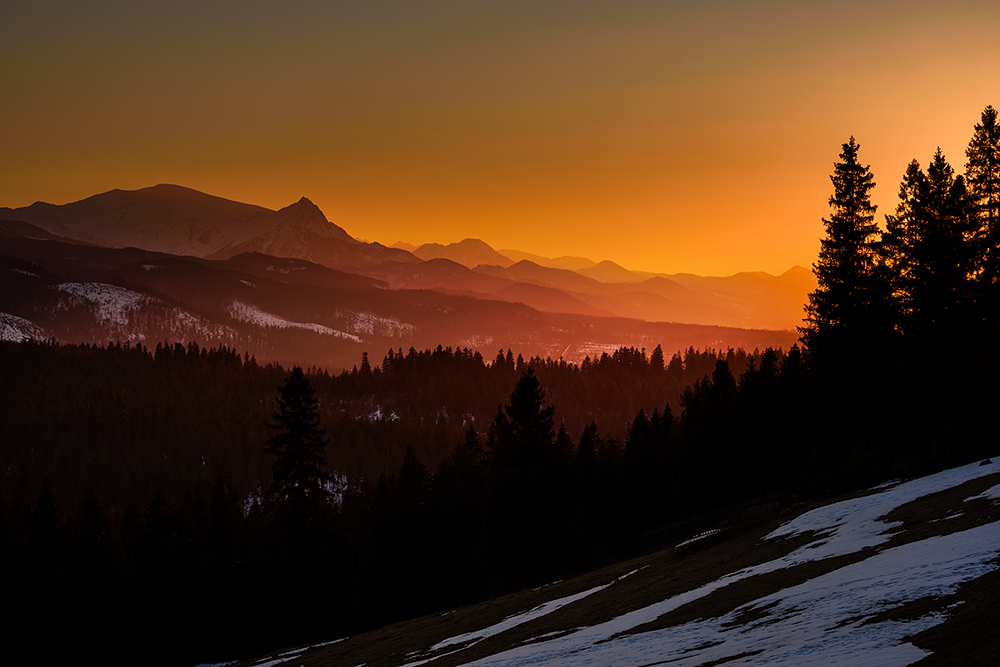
{"type": "Point", "coordinates": [664, 138]}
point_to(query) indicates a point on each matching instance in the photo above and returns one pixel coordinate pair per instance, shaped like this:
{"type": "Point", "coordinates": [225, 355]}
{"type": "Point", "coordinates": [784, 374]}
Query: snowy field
{"type": "Point", "coordinates": [834, 618]}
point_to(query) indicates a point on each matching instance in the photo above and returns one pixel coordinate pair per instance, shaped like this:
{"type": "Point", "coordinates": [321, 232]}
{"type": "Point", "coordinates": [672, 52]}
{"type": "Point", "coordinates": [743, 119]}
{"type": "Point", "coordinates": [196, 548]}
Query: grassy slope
{"type": "Point", "coordinates": [968, 637]}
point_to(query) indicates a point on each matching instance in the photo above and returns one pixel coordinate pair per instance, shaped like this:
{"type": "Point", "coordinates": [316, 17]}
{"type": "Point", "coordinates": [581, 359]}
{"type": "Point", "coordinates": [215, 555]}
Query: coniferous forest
{"type": "Point", "coordinates": [190, 505]}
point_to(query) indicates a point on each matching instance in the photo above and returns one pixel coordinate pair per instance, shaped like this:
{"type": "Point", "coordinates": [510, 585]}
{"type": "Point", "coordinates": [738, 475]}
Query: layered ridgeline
{"type": "Point", "coordinates": [170, 263]}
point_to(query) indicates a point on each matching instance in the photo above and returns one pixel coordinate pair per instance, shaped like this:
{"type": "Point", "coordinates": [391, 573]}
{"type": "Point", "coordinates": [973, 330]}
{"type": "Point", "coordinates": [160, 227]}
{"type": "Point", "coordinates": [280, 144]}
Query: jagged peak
{"type": "Point", "coordinates": [304, 214]}
{"type": "Point", "coordinates": [302, 203]}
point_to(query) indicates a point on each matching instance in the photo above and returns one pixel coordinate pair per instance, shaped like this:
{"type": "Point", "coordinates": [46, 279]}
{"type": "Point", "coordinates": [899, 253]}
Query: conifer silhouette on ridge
{"type": "Point", "coordinates": [845, 303]}
{"type": "Point", "coordinates": [299, 468]}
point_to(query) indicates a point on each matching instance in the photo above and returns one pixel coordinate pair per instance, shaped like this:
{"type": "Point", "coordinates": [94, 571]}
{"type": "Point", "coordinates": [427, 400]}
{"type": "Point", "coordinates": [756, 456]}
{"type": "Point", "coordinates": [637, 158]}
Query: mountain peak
{"type": "Point", "coordinates": [607, 271]}
{"type": "Point", "coordinates": [468, 252]}
{"type": "Point", "coordinates": [305, 215]}
{"type": "Point", "coordinates": [473, 243]}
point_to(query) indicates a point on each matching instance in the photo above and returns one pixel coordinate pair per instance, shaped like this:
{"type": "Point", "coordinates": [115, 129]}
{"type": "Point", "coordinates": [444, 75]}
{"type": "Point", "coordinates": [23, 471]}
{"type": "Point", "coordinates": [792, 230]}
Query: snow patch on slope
{"type": "Point", "coordinates": [827, 620]}
{"type": "Point", "coordinates": [112, 303]}
{"type": "Point", "coordinates": [124, 311]}
{"type": "Point", "coordinates": [246, 312]}
{"type": "Point", "coordinates": [852, 525]}
{"type": "Point", "coordinates": [992, 493]}
{"type": "Point", "coordinates": [466, 640]}
{"type": "Point", "coordinates": [371, 324]}
{"type": "Point", "coordinates": [823, 621]}
{"type": "Point", "coordinates": [14, 328]}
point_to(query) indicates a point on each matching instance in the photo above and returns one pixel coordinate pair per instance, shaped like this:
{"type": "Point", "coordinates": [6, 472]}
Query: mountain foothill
{"type": "Point", "coordinates": [171, 263]}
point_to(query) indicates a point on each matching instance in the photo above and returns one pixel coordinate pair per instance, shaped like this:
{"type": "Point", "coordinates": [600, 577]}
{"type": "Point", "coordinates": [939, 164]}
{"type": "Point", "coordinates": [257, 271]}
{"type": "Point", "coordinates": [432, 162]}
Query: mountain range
{"type": "Point", "coordinates": [182, 264]}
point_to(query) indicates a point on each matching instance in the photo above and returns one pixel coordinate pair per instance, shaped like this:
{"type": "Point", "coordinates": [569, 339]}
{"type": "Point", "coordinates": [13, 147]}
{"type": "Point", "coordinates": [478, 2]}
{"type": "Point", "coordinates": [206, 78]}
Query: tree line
{"type": "Point", "coordinates": [123, 420]}
{"type": "Point", "coordinates": [910, 305]}
{"type": "Point", "coordinates": [516, 501]}
{"type": "Point", "coordinates": [928, 278]}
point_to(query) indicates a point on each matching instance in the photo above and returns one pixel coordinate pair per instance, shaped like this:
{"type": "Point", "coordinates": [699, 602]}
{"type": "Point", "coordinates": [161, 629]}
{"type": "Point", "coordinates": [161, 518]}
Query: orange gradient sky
{"type": "Point", "coordinates": [666, 136]}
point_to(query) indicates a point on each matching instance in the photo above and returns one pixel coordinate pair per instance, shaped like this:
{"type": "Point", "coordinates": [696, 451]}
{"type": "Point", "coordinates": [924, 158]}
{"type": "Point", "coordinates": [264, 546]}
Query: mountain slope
{"type": "Point", "coordinates": [181, 221]}
{"type": "Point", "coordinates": [162, 218]}
{"type": "Point", "coordinates": [874, 579]}
{"type": "Point", "coordinates": [303, 232]}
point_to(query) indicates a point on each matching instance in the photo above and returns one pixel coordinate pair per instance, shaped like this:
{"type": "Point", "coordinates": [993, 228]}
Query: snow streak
{"type": "Point", "coordinates": [246, 312]}
{"type": "Point", "coordinates": [831, 619]}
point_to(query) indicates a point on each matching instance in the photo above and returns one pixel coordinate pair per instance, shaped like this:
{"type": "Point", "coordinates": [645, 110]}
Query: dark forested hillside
{"type": "Point", "coordinates": [145, 474]}
{"type": "Point", "coordinates": [122, 420]}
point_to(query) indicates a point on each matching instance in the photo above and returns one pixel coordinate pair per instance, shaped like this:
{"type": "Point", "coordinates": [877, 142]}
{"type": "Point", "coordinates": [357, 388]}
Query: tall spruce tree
{"type": "Point", "coordinates": [941, 259]}
{"type": "Point", "coordinates": [895, 258]}
{"type": "Point", "coordinates": [299, 468]}
{"type": "Point", "coordinates": [844, 311]}
{"type": "Point", "coordinates": [527, 497]}
{"type": "Point", "coordinates": [982, 172]}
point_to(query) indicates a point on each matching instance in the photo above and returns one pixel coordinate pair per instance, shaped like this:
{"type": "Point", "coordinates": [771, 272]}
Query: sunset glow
{"type": "Point", "coordinates": [666, 136]}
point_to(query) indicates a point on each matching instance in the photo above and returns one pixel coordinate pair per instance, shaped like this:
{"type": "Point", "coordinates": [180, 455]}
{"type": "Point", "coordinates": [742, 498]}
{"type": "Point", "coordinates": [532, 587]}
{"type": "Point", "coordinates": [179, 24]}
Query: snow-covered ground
{"type": "Point", "coordinates": [827, 620]}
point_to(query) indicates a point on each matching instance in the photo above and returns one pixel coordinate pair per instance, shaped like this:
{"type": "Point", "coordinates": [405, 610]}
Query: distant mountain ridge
{"type": "Point", "coordinates": [468, 252]}
{"type": "Point", "coordinates": [292, 310]}
{"type": "Point", "coordinates": [162, 218]}
{"type": "Point", "coordinates": [302, 231]}
{"type": "Point", "coordinates": [180, 221]}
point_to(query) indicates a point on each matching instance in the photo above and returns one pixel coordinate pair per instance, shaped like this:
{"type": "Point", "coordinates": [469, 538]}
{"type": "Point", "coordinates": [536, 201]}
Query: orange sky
{"type": "Point", "coordinates": [666, 136]}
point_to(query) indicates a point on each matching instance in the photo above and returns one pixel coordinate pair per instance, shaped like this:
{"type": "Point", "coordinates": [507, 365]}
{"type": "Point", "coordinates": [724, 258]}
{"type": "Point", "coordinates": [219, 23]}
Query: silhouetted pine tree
{"type": "Point", "coordinates": [938, 258]}
{"type": "Point", "coordinates": [527, 476]}
{"type": "Point", "coordinates": [842, 312]}
{"type": "Point", "coordinates": [299, 469]}
{"type": "Point", "coordinates": [982, 172]}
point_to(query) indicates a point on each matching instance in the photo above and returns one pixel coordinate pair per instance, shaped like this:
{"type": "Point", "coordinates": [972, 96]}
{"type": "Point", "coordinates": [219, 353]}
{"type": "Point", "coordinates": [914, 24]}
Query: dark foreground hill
{"type": "Point", "coordinates": [906, 573]}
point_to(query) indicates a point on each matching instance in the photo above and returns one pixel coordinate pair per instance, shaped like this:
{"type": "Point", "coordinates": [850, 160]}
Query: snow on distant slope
{"type": "Point", "coordinates": [123, 311]}
{"type": "Point", "coordinates": [16, 328]}
{"type": "Point", "coordinates": [830, 619]}
{"type": "Point", "coordinates": [246, 312]}
{"type": "Point", "coordinates": [112, 303]}
{"type": "Point", "coordinates": [372, 324]}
